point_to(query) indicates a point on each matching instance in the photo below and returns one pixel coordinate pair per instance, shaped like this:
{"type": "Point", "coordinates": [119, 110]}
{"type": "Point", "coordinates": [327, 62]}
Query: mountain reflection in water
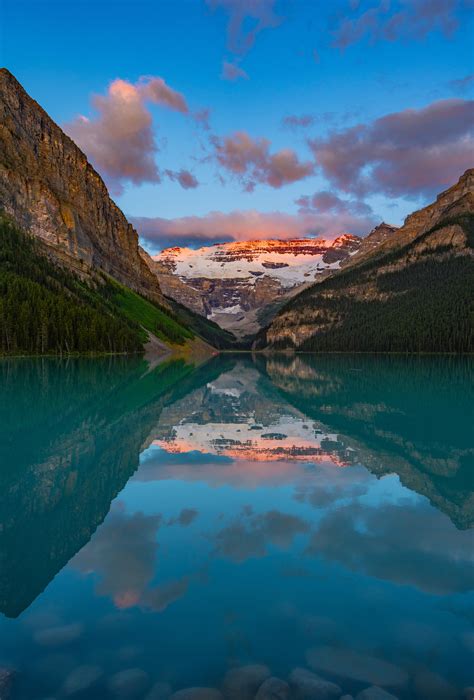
{"type": "Point", "coordinates": [181, 523]}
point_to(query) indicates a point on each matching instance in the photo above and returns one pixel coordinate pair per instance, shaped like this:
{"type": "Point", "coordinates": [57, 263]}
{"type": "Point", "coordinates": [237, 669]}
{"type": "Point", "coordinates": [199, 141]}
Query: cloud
{"type": "Point", "coordinates": [186, 179]}
{"type": "Point", "coordinates": [249, 536]}
{"type": "Point", "coordinates": [462, 85]}
{"type": "Point", "coordinates": [402, 20]}
{"type": "Point", "coordinates": [409, 153]}
{"type": "Point", "coordinates": [251, 162]}
{"type": "Point", "coordinates": [246, 19]}
{"type": "Point", "coordinates": [232, 72]}
{"type": "Point", "coordinates": [379, 542]}
{"type": "Point", "coordinates": [330, 203]}
{"type": "Point", "coordinates": [122, 538]}
{"type": "Point", "coordinates": [131, 539]}
{"type": "Point", "coordinates": [293, 121]}
{"type": "Point", "coordinates": [185, 517]}
{"type": "Point", "coordinates": [219, 227]}
{"type": "Point", "coordinates": [119, 139]}
{"type": "Point", "coordinates": [201, 117]}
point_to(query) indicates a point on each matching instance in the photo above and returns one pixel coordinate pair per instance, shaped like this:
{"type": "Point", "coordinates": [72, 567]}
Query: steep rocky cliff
{"type": "Point", "coordinates": [412, 291]}
{"type": "Point", "coordinates": [49, 189]}
{"type": "Point", "coordinates": [240, 285]}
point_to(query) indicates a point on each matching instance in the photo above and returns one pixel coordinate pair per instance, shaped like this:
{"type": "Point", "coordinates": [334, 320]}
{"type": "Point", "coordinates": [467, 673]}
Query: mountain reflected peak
{"type": "Point", "coordinates": [250, 489]}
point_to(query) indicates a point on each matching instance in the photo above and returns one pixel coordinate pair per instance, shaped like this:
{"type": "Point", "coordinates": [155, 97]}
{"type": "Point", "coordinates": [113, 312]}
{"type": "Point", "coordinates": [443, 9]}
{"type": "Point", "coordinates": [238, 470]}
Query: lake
{"type": "Point", "coordinates": [180, 527]}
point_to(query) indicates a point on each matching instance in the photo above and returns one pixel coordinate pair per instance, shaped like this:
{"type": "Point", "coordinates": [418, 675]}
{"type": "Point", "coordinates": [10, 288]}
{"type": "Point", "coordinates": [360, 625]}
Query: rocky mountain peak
{"type": "Point", "coordinates": [236, 283]}
{"type": "Point", "coordinates": [51, 190]}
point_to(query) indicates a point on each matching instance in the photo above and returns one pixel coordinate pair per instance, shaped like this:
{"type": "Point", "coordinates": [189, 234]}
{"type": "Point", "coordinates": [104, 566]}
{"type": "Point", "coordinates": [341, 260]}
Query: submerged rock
{"type": "Point", "coordinates": [129, 683]}
{"type": "Point", "coordinates": [197, 694]}
{"type": "Point", "coordinates": [273, 689]}
{"type": "Point", "coordinates": [375, 693]}
{"type": "Point", "coordinates": [306, 685]}
{"type": "Point", "coordinates": [159, 691]}
{"type": "Point", "coordinates": [58, 636]}
{"type": "Point", "coordinates": [356, 666]}
{"type": "Point", "coordinates": [242, 683]}
{"type": "Point", "coordinates": [6, 682]}
{"type": "Point", "coordinates": [81, 678]}
{"type": "Point", "coordinates": [429, 684]}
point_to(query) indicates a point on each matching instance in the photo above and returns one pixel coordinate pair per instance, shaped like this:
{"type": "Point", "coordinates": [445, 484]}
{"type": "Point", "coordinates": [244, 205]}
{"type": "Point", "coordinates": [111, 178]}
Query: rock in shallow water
{"type": "Point", "coordinates": [375, 693]}
{"type": "Point", "coordinates": [129, 683]}
{"type": "Point", "coordinates": [273, 689]}
{"type": "Point", "coordinates": [58, 636]}
{"type": "Point", "coordinates": [6, 682]}
{"type": "Point", "coordinates": [306, 685]}
{"type": "Point", "coordinates": [356, 666]}
{"type": "Point", "coordinates": [159, 691]}
{"type": "Point", "coordinates": [197, 694]}
{"type": "Point", "coordinates": [429, 684]}
{"type": "Point", "coordinates": [242, 683]}
{"type": "Point", "coordinates": [81, 678]}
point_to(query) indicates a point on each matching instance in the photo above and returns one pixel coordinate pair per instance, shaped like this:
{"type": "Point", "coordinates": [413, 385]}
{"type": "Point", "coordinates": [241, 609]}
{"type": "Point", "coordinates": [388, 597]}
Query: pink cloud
{"type": "Point", "coordinates": [202, 118]}
{"type": "Point", "coordinates": [251, 162]}
{"type": "Point", "coordinates": [392, 21]}
{"type": "Point", "coordinates": [186, 179]}
{"type": "Point", "coordinates": [246, 19]}
{"type": "Point", "coordinates": [294, 121]}
{"type": "Point", "coordinates": [462, 85]}
{"type": "Point", "coordinates": [119, 139]}
{"type": "Point", "coordinates": [330, 203]}
{"type": "Point", "coordinates": [217, 226]}
{"type": "Point", "coordinates": [232, 72]}
{"type": "Point", "coordinates": [409, 153]}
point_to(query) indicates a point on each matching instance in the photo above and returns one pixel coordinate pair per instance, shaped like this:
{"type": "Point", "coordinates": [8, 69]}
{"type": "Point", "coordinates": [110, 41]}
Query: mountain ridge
{"type": "Point", "coordinates": [410, 293]}
{"type": "Point", "coordinates": [49, 192]}
{"type": "Point", "coordinates": [237, 283]}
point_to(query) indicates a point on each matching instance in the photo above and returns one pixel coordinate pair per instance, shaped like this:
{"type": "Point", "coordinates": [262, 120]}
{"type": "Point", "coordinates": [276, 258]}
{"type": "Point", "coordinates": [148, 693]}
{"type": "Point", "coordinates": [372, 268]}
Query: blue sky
{"type": "Point", "coordinates": [343, 63]}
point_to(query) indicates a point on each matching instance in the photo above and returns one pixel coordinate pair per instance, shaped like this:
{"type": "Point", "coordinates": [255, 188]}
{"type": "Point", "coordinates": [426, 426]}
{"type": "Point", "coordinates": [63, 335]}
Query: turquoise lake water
{"type": "Point", "coordinates": [166, 528]}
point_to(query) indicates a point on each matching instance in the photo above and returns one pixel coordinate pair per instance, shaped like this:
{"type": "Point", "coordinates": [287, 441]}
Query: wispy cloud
{"type": "Point", "coordinates": [232, 72]}
{"type": "Point", "coordinates": [400, 20]}
{"type": "Point", "coordinates": [295, 121]}
{"type": "Point", "coordinates": [246, 19]}
{"type": "Point", "coordinates": [462, 85]}
{"type": "Point", "coordinates": [185, 178]}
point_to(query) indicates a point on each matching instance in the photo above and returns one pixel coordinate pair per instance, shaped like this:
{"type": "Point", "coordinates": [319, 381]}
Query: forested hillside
{"type": "Point", "coordinates": [412, 293]}
{"type": "Point", "coordinates": [45, 309]}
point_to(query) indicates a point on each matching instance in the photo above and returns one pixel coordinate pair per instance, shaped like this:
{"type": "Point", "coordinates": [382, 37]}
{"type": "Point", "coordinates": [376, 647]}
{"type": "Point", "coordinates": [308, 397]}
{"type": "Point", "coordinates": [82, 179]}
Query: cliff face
{"type": "Point", "coordinates": [407, 291]}
{"type": "Point", "coordinates": [240, 285]}
{"type": "Point", "coordinates": [49, 189]}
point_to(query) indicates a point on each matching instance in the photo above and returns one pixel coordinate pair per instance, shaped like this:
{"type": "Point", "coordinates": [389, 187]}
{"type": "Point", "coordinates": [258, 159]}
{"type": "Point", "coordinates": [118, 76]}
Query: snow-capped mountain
{"type": "Point", "coordinates": [236, 416]}
{"type": "Point", "coordinates": [240, 284]}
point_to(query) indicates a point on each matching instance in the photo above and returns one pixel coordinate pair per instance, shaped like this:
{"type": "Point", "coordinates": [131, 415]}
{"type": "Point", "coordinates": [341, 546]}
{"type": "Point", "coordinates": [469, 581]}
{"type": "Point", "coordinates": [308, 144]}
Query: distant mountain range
{"type": "Point", "coordinates": [73, 277]}
{"type": "Point", "coordinates": [240, 285]}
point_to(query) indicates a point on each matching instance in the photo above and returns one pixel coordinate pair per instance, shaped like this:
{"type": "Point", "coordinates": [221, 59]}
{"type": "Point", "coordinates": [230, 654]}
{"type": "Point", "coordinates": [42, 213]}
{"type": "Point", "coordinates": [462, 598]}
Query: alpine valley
{"type": "Point", "coordinates": [73, 277]}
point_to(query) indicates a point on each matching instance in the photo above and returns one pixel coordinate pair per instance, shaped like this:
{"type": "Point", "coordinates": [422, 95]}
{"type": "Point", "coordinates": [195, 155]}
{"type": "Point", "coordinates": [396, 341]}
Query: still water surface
{"type": "Point", "coordinates": [165, 529]}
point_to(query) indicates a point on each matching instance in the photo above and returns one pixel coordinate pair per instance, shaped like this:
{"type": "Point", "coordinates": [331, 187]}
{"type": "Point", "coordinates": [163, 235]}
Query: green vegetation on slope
{"type": "Point", "coordinates": [210, 331]}
{"type": "Point", "coordinates": [425, 306]}
{"type": "Point", "coordinates": [157, 320]}
{"type": "Point", "coordinates": [45, 309]}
